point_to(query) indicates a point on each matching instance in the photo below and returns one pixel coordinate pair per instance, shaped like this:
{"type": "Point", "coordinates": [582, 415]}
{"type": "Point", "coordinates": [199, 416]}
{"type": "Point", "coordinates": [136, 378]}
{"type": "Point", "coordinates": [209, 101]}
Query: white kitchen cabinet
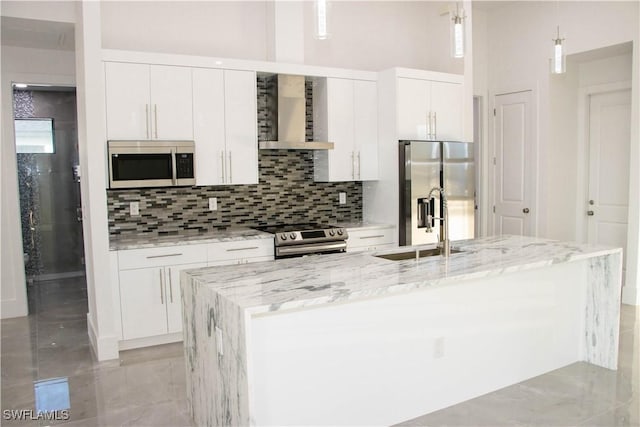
{"type": "Point", "coordinates": [225, 126]}
{"type": "Point", "coordinates": [370, 238]}
{"type": "Point", "coordinates": [148, 102]}
{"type": "Point", "coordinates": [429, 110]}
{"type": "Point", "coordinates": [345, 113]}
{"type": "Point", "coordinates": [149, 284]}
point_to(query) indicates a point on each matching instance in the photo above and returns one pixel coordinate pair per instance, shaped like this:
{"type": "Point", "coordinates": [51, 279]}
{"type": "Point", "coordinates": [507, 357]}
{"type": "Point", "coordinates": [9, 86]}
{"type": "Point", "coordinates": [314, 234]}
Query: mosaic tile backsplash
{"type": "Point", "coordinates": [286, 193]}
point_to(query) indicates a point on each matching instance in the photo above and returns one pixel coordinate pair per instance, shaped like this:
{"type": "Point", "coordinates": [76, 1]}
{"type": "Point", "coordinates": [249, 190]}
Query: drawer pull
{"type": "Point", "coordinates": [241, 249]}
{"type": "Point", "coordinates": [162, 256]}
{"type": "Point", "coordinates": [372, 237]}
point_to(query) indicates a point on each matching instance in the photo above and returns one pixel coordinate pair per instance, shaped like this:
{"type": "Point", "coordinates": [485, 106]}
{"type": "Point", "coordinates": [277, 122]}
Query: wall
{"type": "Point", "coordinates": [368, 35]}
{"type": "Point", "coordinates": [519, 35]}
{"type": "Point", "coordinates": [59, 11]}
{"type": "Point", "coordinates": [209, 28]}
{"type": "Point", "coordinates": [31, 66]}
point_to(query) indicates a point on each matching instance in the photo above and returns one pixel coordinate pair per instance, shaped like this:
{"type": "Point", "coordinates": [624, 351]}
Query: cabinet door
{"type": "Point", "coordinates": [171, 102]}
{"type": "Point", "coordinates": [127, 101]}
{"type": "Point", "coordinates": [174, 295]}
{"type": "Point", "coordinates": [241, 131]}
{"type": "Point", "coordinates": [446, 103]}
{"type": "Point", "coordinates": [143, 303]}
{"type": "Point", "coordinates": [413, 103]}
{"type": "Point", "coordinates": [208, 125]}
{"type": "Point", "coordinates": [365, 127]}
{"type": "Point", "coordinates": [340, 110]}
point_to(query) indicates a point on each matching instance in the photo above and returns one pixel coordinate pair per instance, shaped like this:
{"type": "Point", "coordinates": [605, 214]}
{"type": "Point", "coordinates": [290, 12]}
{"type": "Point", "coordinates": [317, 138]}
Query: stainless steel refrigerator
{"type": "Point", "coordinates": [428, 164]}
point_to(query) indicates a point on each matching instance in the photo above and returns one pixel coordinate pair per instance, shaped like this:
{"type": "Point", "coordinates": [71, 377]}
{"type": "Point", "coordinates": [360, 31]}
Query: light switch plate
{"type": "Point", "coordinates": [213, 203]}
{"type": "Point", "coordinates": [343, 198]}
{"type": "Point", "coordinates": [134, 208]}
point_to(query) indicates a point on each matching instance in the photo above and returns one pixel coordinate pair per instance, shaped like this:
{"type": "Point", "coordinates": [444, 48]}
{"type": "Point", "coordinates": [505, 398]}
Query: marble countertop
{"type": "Point", "coordinates": [311, 281]}
{"type": "Point", "coordinates": [140, 241]}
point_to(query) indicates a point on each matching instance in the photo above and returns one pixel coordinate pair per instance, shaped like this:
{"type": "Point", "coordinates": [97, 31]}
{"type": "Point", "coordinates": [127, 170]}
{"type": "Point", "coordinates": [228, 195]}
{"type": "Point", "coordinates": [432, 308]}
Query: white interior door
{"type": "Point", "coordinates": [514, 172]}
{"type": "Point", "coordinates": [608, 197]}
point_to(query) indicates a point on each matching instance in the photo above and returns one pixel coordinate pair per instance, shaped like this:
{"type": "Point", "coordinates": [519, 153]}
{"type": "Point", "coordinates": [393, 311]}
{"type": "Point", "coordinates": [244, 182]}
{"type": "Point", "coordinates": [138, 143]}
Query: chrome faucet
{"type": "Point", "coordinates": [446, 248]}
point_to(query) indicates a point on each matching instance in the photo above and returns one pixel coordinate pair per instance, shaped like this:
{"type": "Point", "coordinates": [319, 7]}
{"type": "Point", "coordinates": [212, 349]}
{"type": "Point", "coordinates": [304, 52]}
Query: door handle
{"type": "Point", "coordinates": [590, 213]}
{"type": "Point", "coordinates": [222, 167]}
{"type": "Point", "coordinates": [435, 126]}
{"type": "Point", "coordinates": [359, 167]}
{"type": "Point", "coordinates": [230, 169]}
{"type": "Point", "coordinates": [525, 210]}
{"type": "Point", "coordinates": [170, 286]}
{"type": "Point", "coordinates": [161, 286]}
{"type": "Point", "coordinates": [146, 118]}
{"type": "Point", "coordinates": [155, 115]}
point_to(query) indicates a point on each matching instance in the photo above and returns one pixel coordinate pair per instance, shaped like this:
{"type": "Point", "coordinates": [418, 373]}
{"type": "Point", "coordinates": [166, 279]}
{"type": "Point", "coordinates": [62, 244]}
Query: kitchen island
{"type": "Point", "coordinates": [350, 339]}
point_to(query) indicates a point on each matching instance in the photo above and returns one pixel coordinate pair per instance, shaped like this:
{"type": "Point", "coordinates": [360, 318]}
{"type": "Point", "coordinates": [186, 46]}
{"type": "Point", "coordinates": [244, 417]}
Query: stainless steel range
{"type": "Point", "coordinates": [294, 240]}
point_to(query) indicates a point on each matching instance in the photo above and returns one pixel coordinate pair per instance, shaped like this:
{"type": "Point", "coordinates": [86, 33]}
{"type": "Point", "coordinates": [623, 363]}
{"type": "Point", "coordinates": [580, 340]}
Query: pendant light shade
{"type": "Point", "coordinates": [558, 58]}
{"type": "Point", "coordinates": [322, 19]}
{"type": "Point", "coordinates": [457, 33]}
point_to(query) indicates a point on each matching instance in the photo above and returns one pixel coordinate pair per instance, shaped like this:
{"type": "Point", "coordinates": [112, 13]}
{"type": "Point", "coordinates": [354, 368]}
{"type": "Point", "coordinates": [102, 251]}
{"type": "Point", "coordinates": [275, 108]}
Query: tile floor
{"type": "Point", "coordinates": [147, 386]}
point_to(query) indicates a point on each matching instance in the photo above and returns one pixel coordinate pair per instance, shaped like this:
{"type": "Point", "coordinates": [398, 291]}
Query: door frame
{"type": "Point", "coordinates": [16, 305]}
{"type": "Point", "coordinates": [584, 95]}
{"type": "Point", "coordinates": [535, 167]}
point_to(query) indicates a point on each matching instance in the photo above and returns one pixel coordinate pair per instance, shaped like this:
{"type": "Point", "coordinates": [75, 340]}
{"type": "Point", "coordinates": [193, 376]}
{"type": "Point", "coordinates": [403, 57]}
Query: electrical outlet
{"type": "Point", "coordinates": [213, 203]}
{"type": "Point", "coordinates": [343, 198]}
{"type": "Point", "coordinates": [134, 208]}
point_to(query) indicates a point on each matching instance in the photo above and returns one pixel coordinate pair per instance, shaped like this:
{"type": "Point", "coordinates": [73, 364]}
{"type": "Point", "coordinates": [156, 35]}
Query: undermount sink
{"type": "Point", "coordinates": [424, 253]}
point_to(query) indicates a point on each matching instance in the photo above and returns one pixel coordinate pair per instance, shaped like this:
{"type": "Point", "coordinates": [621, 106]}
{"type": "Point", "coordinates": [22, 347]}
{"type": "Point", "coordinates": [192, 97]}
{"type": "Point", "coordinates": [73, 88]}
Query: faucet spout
{"type": "Point", "coordinates": [446, 247]}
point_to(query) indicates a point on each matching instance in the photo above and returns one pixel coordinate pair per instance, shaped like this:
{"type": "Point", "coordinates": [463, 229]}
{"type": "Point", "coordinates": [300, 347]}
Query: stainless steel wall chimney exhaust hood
{"type": "Point", "coordinates": [292, 118]}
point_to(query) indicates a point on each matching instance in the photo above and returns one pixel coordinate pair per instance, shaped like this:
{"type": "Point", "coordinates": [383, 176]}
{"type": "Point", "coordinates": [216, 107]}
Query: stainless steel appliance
{"type": "Point", "coordinates": [295, 240]}
{"type": "Point", "coordinates": [428, 164]}
{"type": "Point", "coordinates": [135, 164]}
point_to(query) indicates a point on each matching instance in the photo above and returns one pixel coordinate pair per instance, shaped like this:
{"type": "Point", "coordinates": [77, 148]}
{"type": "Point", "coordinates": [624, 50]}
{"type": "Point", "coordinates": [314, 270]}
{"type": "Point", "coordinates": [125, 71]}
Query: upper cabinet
{"type": "Point", "coordinates": [148, 101]}
{"type": "Point", "coordinates": [225, 126]}
{"type": "Point", "coordinates": [346, 113]}
{"type": "Point", "coordinates": [429, 110]}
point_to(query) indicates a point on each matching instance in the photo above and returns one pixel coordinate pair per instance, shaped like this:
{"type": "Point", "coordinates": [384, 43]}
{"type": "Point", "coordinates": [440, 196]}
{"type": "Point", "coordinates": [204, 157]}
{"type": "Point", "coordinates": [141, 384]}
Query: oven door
{"type": "Point", "coordinates": [309, 249]}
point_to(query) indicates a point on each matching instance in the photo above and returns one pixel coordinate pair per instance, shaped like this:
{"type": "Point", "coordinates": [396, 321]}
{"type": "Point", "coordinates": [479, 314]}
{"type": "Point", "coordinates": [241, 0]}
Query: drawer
{"type": "Point", "coordinates": [161, 256]}
{"type": "Point", "coordinates": [369, 237]}
{"type": "Point", "coordinates": [240, 249]}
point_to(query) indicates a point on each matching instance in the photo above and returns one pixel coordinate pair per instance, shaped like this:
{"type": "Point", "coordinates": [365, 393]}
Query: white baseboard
{"type": "Point", "coordinates": [630, 296]}
{"type": "Point", "coordinates": [104, 347]}
{"type": "Point", "coordinates": [150, 341]}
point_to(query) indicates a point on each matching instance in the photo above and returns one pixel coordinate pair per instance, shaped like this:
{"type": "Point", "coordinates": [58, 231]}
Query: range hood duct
{"type": "Point", "coordinates": [292, 121]}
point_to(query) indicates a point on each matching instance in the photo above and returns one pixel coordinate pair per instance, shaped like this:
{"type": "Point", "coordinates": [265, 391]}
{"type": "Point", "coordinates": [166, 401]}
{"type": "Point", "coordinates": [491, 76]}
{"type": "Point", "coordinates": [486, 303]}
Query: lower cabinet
{"type": "Point", "coordinates": [149, 284]}
{"type": "Point", "coordinates": [370, 238]}
{"type": "Point", "coordinates": [150, 300]}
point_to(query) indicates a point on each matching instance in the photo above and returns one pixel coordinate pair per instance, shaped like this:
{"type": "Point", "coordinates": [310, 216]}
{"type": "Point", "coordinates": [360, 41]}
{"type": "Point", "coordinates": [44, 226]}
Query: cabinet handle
{"type": "Point", "coordinates": [170, 286]}
{"type": "Point", "coordinates": [230, 169]}
{"type": "Point", "coordinates": [222, 166]}
{"type": "Point", "coordinates": [162, 256]}
{"type": "Point", "coordinates": [353, 165]}
{"type": "Point", "coordinates": [429, 125]}
{"type": "Point", "coordinates": [359, 167]}
{"type": "Point", "coordinates": [174, 167]}
{"type": "Point", "coordinates": [372, 237]}
{"type": "Point", "coordinates": [146, 119]}
{"type": "Point", "coordinates": [155, 115]}
{"type": "Point", "coordinates": [161, 287]}
{"type": "Point", "coordinates": [241, 249]}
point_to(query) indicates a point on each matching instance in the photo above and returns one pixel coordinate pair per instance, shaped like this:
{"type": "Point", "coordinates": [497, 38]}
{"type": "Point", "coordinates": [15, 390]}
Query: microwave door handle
{"type": "Point", "coordinates": [174, 159]}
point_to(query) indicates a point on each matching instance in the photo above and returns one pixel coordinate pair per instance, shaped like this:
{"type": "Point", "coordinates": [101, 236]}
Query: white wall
{"type": "Point", "coordinates": [210, 28]}
{"type": "Point", "coordinates": [59, 11]}
{"type": "Point", "coordinates": [29, 66]}
{"type": "Point", "coordinates": [519, 44]}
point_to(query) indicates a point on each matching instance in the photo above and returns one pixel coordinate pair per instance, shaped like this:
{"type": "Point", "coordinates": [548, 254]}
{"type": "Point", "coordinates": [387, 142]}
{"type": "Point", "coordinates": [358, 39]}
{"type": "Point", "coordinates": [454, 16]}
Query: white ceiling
{"type": "Point", "coordinates": [31, 33]}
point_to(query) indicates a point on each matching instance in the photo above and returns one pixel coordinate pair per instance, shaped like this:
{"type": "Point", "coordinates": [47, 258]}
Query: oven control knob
{"type": "Point", "coordinates": [340, 231]}
{"type": "Point", "coordinates": [283, 236]}
{"type": "Point", "coordinates": [332, 233]}
{"type": "Point", "coordinates": [293, 236]}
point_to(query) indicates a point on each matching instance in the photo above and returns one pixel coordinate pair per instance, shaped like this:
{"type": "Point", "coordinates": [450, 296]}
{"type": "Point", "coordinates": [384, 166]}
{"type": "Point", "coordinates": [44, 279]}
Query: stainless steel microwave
{"type": "Point", "coordinates": [134, 164]}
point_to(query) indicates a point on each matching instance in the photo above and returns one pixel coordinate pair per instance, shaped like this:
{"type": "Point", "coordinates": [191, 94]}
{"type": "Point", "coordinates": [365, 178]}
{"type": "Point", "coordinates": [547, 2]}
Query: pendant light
{"type": "Point", "coordinates": [457, 33]}
{"type": "Point", "coordinates": [322, 19]}
{"type": "Point", "coordinates": [559, 58]}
